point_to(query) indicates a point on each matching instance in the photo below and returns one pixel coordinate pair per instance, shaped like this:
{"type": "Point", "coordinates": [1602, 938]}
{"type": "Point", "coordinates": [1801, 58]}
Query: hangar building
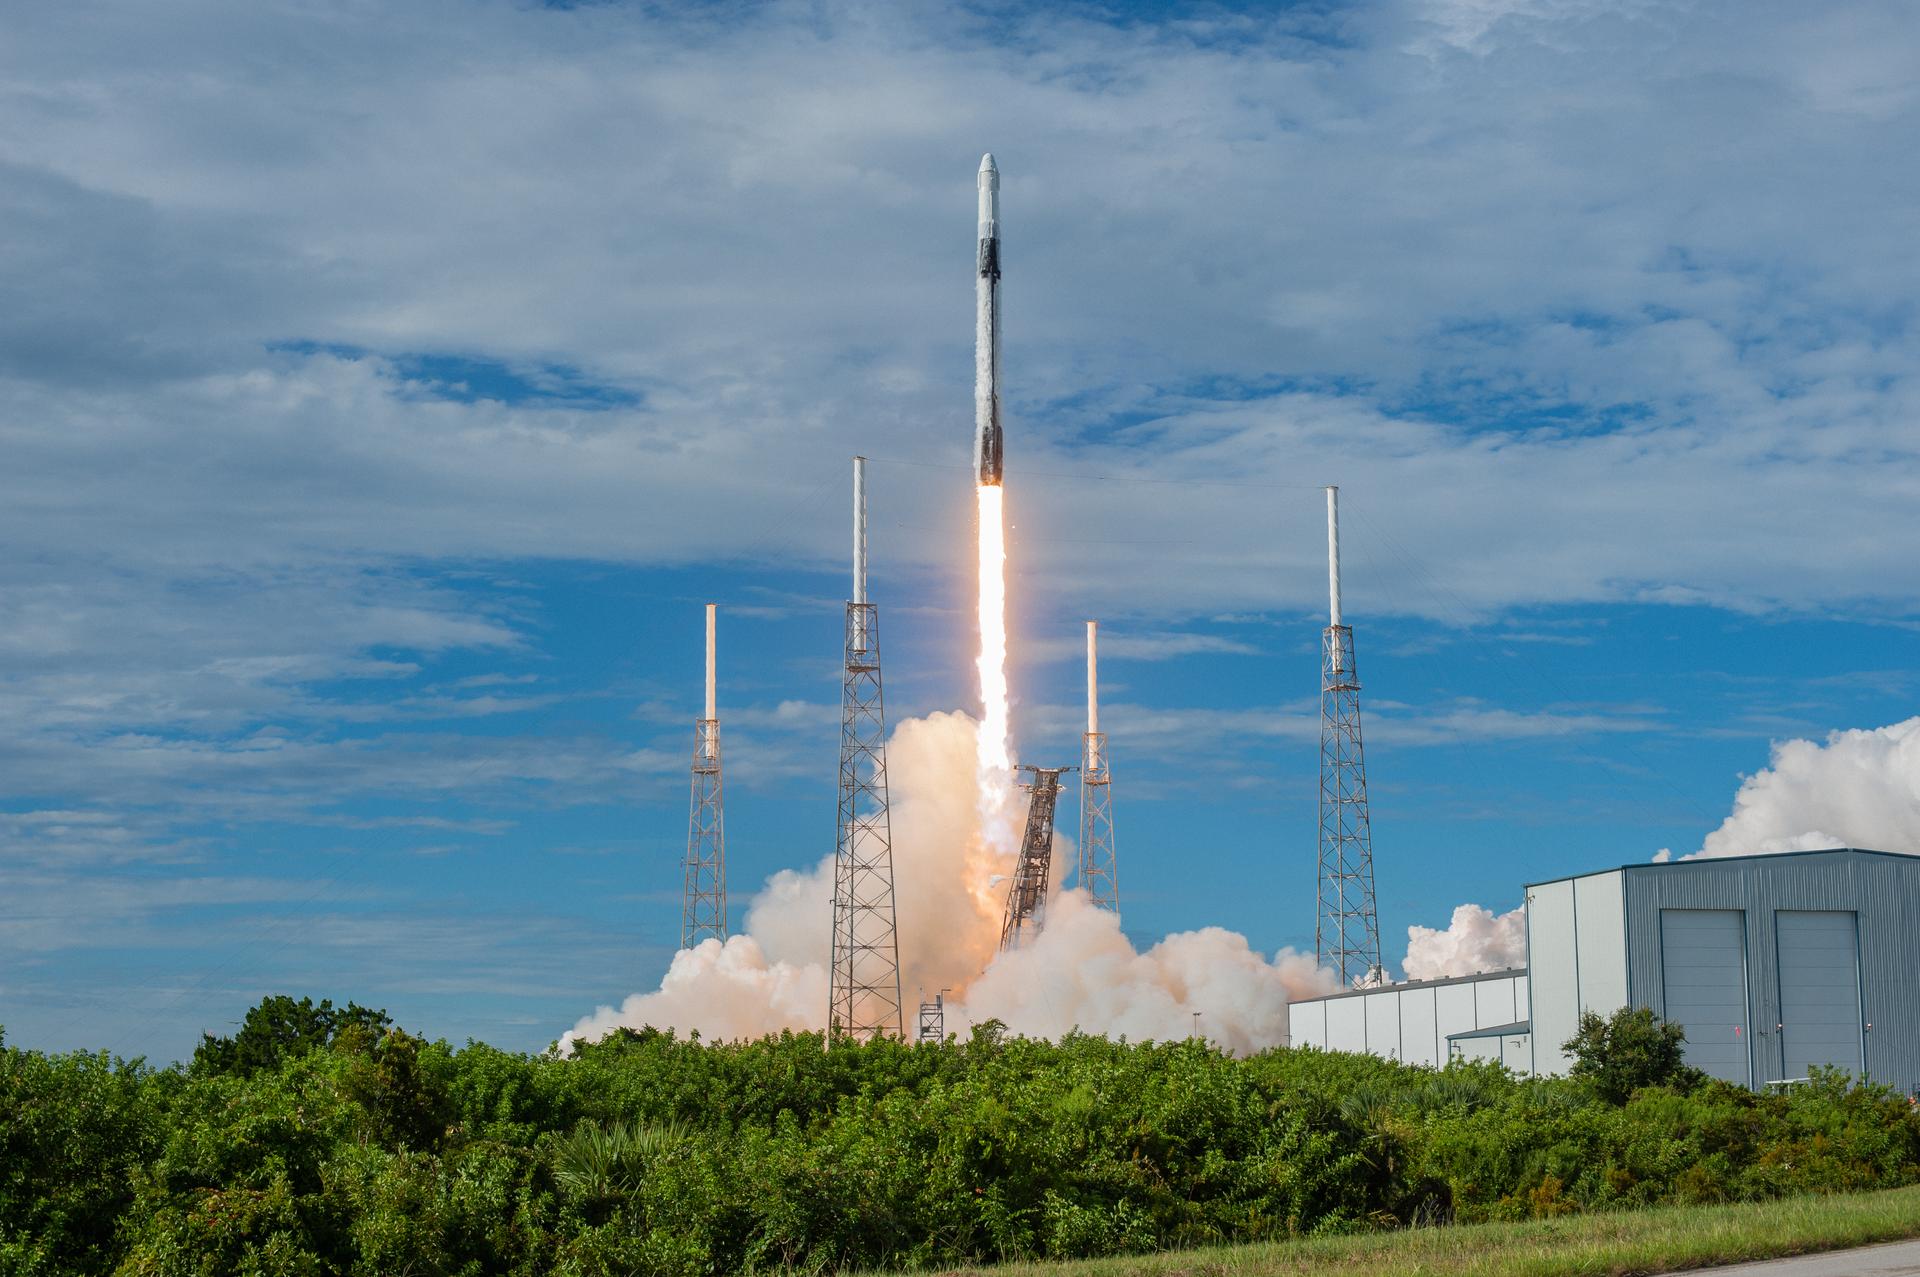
{"type": "Point", "coordinates": [1773, 964]}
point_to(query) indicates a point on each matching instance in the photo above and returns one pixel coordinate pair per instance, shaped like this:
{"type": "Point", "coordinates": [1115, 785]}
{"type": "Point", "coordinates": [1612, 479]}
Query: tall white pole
{"type": "Point", "coordinates": [859, 529]}
{"type": "Point", "coordinates": [1093, 678]}
{"type": "Point", "coordinates": [710, 711]}
{"type": "Point", "coordinates": [1333, 554]}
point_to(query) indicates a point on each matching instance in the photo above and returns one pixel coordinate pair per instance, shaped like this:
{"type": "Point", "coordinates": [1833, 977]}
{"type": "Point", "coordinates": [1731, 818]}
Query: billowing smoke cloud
{"type": "Point", "coordinates": [1859, 789]}
{"type": "Point", "coordinates": [1082, 972]}
{"type": "Point", "coordinates": [1477, 940]}
{"type": "Point", "coordinates": [949, 881]}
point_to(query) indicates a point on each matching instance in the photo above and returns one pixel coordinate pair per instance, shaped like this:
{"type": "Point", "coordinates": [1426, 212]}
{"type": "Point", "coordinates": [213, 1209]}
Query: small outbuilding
{"type": "Point", "coordinates": [1413, 1021]}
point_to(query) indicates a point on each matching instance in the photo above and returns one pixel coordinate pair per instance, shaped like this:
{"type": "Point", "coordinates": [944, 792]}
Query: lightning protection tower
{"type": "Point", "coordinates": [704, 908]}
{"type": "Point", "coordinates": [1027, 893]}
{"type": "Point", "coordinates": [864, 989]}
{"type": "Point", "coordinates": [1097, 872]}
{"type": "Point", "coordinates": [1347, 936]}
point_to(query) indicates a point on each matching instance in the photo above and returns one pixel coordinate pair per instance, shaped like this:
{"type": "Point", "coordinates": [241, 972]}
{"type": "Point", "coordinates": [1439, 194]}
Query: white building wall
{"type": "Point", "coordinates": [1420, 1041]}
{"type": "Point", "coordinates": [1553, 972]}
{"type": "Point", "coordinates": [1576, 958]}
{"type": "Point", "coordinates": [1383, 1023]}
{"type": "Point", "coordinates": [1493, 1003]}
{"type": "Point", "coordinates": [1479, 1048]}
{"type": "Point", "coordinates": [1346, 1024]}
{"type": "Point", "coordinates": [1410, 1023]}
{"type": "Point", "coordinates": [1454, 1009]}
{"type": "Point", "coordinates": [1307, 1024]}
{"type": "Point", "coordinates": [1600, 921]}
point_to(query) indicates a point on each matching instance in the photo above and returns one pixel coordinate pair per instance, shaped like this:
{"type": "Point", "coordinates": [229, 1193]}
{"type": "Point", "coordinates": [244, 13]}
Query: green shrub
{"type": "Point", "coordinates": [1629, 1049]}
{"type": "Point", "coordinates": [362, 1150]}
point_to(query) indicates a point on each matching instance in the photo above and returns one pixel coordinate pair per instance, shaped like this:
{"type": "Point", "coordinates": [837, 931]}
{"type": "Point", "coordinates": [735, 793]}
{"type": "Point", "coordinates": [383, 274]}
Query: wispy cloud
{"type": "Point", "coordinates": [312, 368]}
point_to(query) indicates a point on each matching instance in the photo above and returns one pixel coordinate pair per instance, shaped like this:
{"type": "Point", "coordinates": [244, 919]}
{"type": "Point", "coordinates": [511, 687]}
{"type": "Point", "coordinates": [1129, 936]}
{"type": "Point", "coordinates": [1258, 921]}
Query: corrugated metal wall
{"type": "Point", "coordinates": [1704, 985]}
{"type": "Point", "coordinates": [1819, 989]}
{"type": "Point", "coordinates": [1882, 890]}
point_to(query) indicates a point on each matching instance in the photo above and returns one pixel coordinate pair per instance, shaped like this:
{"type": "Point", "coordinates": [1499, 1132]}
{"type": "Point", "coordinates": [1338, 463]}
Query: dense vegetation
{"type": "Point", "coordinates": [324, 1141]}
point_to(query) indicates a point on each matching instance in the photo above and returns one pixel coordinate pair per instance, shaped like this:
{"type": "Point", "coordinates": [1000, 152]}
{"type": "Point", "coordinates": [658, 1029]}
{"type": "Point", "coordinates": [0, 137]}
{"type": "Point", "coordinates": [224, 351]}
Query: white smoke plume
{"type": "Point", "coordinates": [1861, 788]}
{"type": "Point", "coordinates": [950, 889]}
{"type": "Point", "coordinates": [1477, 940]}
{"type": "Point", "coordinates": [1083, 973]}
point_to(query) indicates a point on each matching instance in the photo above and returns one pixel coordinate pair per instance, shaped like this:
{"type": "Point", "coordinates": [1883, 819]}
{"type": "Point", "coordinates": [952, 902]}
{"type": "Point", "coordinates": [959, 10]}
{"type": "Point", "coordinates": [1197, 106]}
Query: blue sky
{"type": "Point", "coordinates": [383, 393]}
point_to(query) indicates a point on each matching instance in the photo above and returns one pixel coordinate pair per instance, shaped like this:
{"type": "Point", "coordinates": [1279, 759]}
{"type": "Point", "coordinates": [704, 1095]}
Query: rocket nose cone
{"type": "Point", "coordinates": [986, 163]}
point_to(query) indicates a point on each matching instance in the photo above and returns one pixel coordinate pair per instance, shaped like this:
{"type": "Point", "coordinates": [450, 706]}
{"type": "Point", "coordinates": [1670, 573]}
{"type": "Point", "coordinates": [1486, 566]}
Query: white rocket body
{"type": "Point", "coordinates": [987, 454]}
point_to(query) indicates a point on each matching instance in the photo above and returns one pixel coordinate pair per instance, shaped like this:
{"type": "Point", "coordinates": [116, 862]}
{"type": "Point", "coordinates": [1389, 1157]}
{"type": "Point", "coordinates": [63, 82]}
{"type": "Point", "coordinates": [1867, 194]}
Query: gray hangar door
{"type": "Point", "coordinates": [1703, 959]}
{"type": "Point", "coordinates": [1819, 990]}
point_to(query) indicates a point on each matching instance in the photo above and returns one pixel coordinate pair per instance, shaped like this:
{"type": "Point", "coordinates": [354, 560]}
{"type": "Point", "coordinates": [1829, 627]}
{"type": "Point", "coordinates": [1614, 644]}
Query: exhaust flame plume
{"type": "Point", "coordinates": [994, 766]}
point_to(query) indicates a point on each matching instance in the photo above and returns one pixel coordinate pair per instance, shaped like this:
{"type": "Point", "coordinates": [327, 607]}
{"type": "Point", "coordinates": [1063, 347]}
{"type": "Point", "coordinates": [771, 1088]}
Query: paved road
{"type": "Point", "coordinates": [1896, 1259]}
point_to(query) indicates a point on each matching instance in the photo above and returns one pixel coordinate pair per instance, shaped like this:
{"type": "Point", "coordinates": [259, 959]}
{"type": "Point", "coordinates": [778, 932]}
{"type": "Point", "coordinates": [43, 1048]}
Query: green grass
{"type": "Point", "coordinates": [1655, 1240]}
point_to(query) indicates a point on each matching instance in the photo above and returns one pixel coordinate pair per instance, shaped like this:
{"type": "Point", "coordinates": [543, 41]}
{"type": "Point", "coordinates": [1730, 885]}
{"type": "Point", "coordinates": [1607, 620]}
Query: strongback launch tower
{"type": "Point", "coordinates": [1027, 892]}
{"type": "Point", "coordinates": [704, 908]}
{"type": "Point", "coordinates": [1097, 872]}
{"type": "Point", "coordinates": [1347, 935]}
{"type": "Point", "coordinates": [864, 990]}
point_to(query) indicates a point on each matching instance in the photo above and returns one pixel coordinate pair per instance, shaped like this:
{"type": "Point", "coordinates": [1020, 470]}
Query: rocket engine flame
{"type": "Point", "coordinates": [994, 750]}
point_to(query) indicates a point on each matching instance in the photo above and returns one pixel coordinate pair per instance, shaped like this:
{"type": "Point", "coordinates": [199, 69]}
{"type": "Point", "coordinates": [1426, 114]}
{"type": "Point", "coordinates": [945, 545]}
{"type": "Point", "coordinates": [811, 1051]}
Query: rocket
{"type": "Point", "coordinates": [986, 333]}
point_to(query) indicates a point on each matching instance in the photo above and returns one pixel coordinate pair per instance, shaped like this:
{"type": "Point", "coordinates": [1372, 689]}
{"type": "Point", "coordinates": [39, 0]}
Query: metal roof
{"type": "Point", "coordinates": [1494, 1031]}
{"type": "Point", "coordinates": [1414, 984]}
{"type": "Point", "coordinates": [1723, 860]}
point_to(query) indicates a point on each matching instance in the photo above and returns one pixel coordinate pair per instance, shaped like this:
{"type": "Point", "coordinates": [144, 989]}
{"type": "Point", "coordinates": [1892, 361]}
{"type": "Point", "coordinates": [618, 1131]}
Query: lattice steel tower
{"type": "Point", "coordinates": [933, 1018]}
{"type": "Point", "coordinates": [704, 908]}
{"type": "Point", "coordinates": [1027, 891]}
{"type": "Point", "coordinates": [1347, 936]}
{"type": "Point", "coordinates": [864, 990]}
{"type": "Point", "coordinates": [1097, 873]}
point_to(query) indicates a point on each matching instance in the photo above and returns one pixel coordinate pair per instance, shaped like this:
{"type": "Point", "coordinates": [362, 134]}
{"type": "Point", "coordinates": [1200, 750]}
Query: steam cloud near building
{"type": "Point", "coordinates": [1477, 940]}
{"type": "Point", "coordinates": [1861, 788]}
{"type": "Point", "coordinates": [1858, 788]}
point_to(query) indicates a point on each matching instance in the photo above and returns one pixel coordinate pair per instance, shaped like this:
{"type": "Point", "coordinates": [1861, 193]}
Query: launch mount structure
{"type": "Point", "coordinates": [1027, 893]}
{"type": "Point", "coordinates": [864, 990]}
{"type": "Point", "coordinates": [1347, 934]}
{"type": "Point", "coordinates": [1096, 873]}
{"type": "Point", "coordinates": [704, 900]}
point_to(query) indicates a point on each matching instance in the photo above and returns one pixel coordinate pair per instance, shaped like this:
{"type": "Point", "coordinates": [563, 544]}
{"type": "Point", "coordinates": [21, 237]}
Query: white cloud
{"type": "Point", "coordinates": [1591, 218]}
{"type": "Point", "coordinates": [1476, 940]}
{"type": "Point", "coordinates": [1858, 788]}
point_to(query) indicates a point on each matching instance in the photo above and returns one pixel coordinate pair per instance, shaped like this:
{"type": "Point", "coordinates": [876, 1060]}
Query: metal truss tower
{"type": "Point", "coordinates": [1027, 893]}
{"type": "Point", "coordinates": [864, 990]}
{"type": "Point", "coordinates": [933, 1018]}
{"type": "Point", "coordinates": [1347, 935]}
{"type": "Point", "coordinates": [704, 908]}
{"type": "Point", "coordinates": [1096, 874]}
